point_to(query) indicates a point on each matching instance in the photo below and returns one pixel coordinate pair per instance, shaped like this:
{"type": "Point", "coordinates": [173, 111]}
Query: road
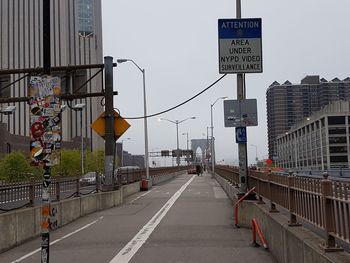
{"type": "Point", "coordinates": [188, 219]}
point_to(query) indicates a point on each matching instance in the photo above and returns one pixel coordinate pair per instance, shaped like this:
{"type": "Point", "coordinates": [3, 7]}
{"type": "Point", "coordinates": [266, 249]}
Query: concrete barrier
{"type": "Point", "coordinates": [20, 225]}
{"type": "Point", "coordinates": [287, 244]}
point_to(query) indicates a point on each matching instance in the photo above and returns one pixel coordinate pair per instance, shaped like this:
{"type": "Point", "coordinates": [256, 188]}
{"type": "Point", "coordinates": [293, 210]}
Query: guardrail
{"type": "Point", "coordinates": [24, 194]}
{"type": "Point", "coordinates": [321, 202]}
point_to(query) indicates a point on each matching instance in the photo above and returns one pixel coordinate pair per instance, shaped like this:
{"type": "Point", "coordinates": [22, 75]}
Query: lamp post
{"type": "Point", "coordinates": [177, 122]}
{"type": "Point", "coordinates": [80, 107]}
{"type": "Point", "coordinates": [212, 135]}
{"type": "Point", "coordinates": [9, 110]}
{"type": "Point", "coordinates": [122, 159]}
{"type": "Point", "coordinates": [187, 155]}
{"type": "Point", "coordinates": [144, 113]}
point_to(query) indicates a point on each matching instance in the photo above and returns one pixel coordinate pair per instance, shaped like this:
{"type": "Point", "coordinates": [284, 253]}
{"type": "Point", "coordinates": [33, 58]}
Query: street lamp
{"type": "Point", "coordinates": [80, 107]}
{"type": "Point", "coordinates": [212, 134]}
{"type": "Point", "coordinates": [9, 110]}
{"type": "Point", "coordinates": [122, 159]}
{"type": "Point", "coordinates": [177, 122]}
{"type": "Point", "coordinates": [144, 113]}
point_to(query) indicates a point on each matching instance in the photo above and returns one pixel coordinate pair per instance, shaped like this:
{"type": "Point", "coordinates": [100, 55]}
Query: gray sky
{"type": "Point", "coordinates": [177, 43]}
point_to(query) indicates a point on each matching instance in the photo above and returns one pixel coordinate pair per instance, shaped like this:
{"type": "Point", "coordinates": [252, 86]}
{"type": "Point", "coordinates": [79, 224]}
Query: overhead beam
{"type": "Point", "coordinates": [63, 97]}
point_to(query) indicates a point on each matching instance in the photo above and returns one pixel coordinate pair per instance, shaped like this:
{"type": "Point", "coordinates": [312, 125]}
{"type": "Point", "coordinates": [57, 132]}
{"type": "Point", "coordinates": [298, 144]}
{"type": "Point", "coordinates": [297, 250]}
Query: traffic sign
{"type": "Point", "coordinates": [240, 113]}
{"type": "Point", "coordinates": [120, 125]}
{"type": "Point", "coordinates": [240, 49]}
{"type": "Point", "coordinates": [241, 135]}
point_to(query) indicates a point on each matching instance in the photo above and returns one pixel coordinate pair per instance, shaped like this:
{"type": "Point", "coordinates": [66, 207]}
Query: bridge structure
{"type": "Point", "coordinates": [182, 218]}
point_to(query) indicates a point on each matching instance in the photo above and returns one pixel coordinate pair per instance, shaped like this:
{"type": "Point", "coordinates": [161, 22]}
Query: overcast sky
{"type": "Point", "coordinates": [177, 44]}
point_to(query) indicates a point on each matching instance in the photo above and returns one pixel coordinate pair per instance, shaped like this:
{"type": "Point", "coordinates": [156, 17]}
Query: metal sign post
{"type": "Point", "coordinates": [240, 52]}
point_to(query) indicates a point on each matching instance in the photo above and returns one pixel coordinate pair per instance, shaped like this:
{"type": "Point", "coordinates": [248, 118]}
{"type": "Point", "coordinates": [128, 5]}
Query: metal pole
{"type": "Point", "coordinates": [177, 144]}
{"type": "Point", "coordinates": [187, 155]}
{"type": "Point", "coordinates": [145, 127]}
{"type": "Point", "coordinates": [109, 123]}
{"type": "Point", "coordinates": [122, 160]}
{"type": "Point", "coordinates": [45, 210]}
{"type": "Point", "coordinates": [212, 141]}
{"type": "Point", "coordinates": [46, 37]}
{"type": "Point", "coordinates": [82, 143]}
{"type": "Point", "coordinates": [242, 147]}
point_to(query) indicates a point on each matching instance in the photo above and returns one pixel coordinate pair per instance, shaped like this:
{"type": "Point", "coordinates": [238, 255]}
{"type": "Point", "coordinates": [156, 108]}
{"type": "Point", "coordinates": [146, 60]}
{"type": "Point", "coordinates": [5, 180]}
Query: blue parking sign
{"type": "Point", "coordinates": [241, 135]}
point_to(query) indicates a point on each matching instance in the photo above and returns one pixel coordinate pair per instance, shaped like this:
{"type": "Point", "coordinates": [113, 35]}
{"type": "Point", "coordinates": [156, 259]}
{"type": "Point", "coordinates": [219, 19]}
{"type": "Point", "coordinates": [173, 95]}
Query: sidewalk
{"type": "Point", "coordinates": [200, 228]}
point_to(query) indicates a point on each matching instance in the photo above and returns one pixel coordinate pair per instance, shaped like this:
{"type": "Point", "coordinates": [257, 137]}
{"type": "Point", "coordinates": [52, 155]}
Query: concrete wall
{"type": "Point", "coordinates": [20, 225]}
{"type": "Point", "coordinates": [287, 244]}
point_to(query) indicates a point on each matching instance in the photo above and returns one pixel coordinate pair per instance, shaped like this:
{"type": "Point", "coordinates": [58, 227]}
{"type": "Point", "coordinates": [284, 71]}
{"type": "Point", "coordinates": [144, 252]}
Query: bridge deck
{"type": "Point", "coordinates": [188, 219]}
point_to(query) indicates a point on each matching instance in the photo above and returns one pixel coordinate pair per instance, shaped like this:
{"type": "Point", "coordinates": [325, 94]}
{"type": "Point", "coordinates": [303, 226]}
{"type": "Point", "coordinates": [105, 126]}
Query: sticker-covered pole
{"type": "Point", "coordinates": [242, 147]}
{"type": "Point", "coordinates": [45, 225]}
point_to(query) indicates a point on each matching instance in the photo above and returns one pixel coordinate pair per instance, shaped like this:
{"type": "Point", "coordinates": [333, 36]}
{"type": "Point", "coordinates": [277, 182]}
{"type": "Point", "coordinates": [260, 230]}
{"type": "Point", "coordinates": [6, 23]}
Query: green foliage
{"type": "Point", "coordinates": [15, 167]}
{"type": "Point", "coordinates": [95, 161]}
{"type": "Point", "coordinates": [70, 164]}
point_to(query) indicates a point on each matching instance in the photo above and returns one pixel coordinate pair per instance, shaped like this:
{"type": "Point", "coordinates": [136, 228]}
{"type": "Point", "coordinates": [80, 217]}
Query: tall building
{"type": "Point", "coordinates": [288, 103]}
{"type": "Point", "coordinates": [76, 39]}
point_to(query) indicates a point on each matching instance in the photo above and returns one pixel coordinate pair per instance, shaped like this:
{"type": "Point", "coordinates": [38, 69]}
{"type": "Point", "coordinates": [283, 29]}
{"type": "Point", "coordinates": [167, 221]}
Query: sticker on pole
{"type": "Point", "coordinates": [241, 135]}
{"type": "Point", "coordinates": [240, 49]}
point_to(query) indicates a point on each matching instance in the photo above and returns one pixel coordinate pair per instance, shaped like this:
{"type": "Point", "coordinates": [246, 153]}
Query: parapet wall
{"type": "Point", "coordinates": [287, 244]}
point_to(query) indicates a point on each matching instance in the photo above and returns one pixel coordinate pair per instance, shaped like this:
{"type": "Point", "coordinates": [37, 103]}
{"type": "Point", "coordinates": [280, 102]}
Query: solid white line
{"type": "Point", "coordinates": [141, 237]}
{"type": "Point", "coordinates": [142, 195]}
{"type": "Point", "coordinates": [57, 240]}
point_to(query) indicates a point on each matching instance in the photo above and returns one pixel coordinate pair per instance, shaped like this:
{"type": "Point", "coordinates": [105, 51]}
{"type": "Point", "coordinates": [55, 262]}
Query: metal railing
{"type": "Point", "coordinates": [27, 193]}
{"type": "Point", "coordinates": [320, 202]}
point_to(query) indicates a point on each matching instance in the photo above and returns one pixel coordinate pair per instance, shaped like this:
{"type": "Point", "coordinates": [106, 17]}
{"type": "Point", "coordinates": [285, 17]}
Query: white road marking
{"type": "Point", "coordinates": [57, 240]}
{"type": "Point", "coordinates": [219, 192]}
{"type": "Point", "coordinates": [142, 195]}
{"type": "Point", "coordinates": [141, 237]}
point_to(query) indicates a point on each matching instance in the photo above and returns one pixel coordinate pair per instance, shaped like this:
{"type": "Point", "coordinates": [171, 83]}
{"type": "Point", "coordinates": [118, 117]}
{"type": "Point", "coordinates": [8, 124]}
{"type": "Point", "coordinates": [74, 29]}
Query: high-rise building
{"type": "Point", "coordinates": [288, 103]}
{"type": "Point", "coordinates": [76, 39]}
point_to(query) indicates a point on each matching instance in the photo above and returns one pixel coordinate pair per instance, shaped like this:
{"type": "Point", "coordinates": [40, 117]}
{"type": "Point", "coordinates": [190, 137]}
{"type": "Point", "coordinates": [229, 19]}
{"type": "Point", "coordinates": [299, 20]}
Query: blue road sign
{"type": "Point", "coordinates": [240, 48]}
{"type": "Point", "coordinates": [241, 135]}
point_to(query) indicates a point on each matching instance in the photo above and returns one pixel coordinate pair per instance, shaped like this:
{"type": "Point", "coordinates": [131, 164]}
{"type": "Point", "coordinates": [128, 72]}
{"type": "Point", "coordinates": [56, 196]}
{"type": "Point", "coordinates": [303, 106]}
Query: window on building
{"type": "Point", "coordinates": [339, 159]}
{"type": "Point", "coordinates": [337, 130]}
{"type": "Point", "coordinates": [338, 149]}
{"type": "Point", "coordinates": [86, 18]}
{"type": "Point", "coordinates": [334, 120]}
{"type": "Point", "coordinates": [5, 92]}
{"type": "Point", "coordinates": [337, 139]}
{"type": "Point", "coordinates": [80, 77]}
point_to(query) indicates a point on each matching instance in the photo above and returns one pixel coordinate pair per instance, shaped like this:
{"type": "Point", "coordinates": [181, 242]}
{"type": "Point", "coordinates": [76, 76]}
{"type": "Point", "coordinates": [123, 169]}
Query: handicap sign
{"type": "Point", "coordinates": [241, 135]}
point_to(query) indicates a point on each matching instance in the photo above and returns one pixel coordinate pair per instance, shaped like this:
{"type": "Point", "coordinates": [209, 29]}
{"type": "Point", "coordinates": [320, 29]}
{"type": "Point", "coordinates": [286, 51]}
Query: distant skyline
{"type": "Point", "coordinates": [177, 44]}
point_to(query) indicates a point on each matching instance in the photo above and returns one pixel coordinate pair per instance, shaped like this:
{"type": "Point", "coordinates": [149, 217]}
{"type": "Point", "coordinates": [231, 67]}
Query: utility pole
{"type": "Point", "coordinates": [45, 210]}
{"type": "Point", "coordinates": [109, 123]}
{"type": "Point", "coordinates": [242, 147]}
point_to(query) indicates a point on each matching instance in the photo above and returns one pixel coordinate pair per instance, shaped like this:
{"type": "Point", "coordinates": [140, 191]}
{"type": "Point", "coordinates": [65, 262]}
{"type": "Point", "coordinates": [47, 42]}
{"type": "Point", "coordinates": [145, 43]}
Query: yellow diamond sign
{"type": "Point", "coordinates": [120, 125]}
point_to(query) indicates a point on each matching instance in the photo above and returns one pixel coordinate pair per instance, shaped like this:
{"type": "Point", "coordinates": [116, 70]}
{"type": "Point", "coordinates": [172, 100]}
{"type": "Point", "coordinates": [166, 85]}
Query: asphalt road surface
{"type": "Point", "coordinates": [188, 219]}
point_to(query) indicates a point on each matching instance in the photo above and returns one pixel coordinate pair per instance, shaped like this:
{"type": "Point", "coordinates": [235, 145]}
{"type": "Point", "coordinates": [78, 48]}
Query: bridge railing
{"type": "Point", "coordinates": [27, 193]}
{"type": "Point", "coordinates": [320, 202]}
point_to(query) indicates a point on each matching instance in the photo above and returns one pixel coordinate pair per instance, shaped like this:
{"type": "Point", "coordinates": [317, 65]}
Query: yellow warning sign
{"type": "Point", "coordinates": [120, 125]}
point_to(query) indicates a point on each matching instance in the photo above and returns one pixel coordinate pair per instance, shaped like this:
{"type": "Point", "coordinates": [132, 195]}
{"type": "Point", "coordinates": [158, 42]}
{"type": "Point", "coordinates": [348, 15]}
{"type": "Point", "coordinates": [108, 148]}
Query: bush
{"type": "Point", "coordinates": [69, 165]}
{"type": "Point", "coordinates": [15, 167]}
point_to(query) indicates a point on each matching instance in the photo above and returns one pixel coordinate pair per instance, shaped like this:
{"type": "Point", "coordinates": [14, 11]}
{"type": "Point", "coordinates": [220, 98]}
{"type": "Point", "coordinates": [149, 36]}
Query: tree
{"type": "Point", "coordinates": [15, 167]}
